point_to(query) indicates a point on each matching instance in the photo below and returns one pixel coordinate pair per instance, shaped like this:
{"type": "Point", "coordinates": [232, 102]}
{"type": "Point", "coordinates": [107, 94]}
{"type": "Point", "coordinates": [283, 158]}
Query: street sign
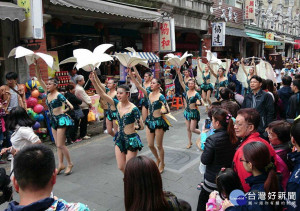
{"type": "Point", "coordinates": [249, 10]}
{"type": "Point", "coordinates": [167, 36]}
{"type": "Point", "coordinates": [218, 34]}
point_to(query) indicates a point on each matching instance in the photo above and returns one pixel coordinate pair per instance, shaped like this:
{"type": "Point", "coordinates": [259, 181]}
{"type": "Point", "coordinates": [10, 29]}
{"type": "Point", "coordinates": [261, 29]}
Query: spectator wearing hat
{"type": "Point", "coordinates": [288, 70]}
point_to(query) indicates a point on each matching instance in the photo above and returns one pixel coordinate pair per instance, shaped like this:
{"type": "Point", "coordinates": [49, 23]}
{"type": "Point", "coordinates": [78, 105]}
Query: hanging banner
{"type": "Point", "coordinates": [123, 73]}
{"type": "Point", "coordinates": [297, 46]}
{"type": "Point", "coordinates": [218, 34]}
{"type": "Point", "coordinates": [167, 36]}
{"type": "Point", "coordinates": [55, 68]}
{"type": "Point", "coordinates": [249, 10]}
{"type": "Point", "coordinates": [270, 36]}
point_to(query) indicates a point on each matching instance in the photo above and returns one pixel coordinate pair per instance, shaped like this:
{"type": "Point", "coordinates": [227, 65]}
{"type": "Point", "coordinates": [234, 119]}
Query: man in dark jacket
{"type": "Point", "coordinates": [294, 103]}
{"type": "Point", "coordinates": [262, 102]}
{"type": "Point", "coordinates": [285, 93]}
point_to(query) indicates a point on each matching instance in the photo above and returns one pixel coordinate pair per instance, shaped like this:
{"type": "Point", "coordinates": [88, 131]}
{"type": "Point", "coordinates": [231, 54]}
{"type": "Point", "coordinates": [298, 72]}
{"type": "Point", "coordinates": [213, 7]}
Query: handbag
{"type": "Point", "coordinates": [91, 117]}
{"type": "Point", "coordinates": [78, 114]}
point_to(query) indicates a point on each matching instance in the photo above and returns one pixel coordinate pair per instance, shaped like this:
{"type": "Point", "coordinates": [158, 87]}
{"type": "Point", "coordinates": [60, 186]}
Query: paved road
{"type": "Point", "coordinates": [97, 182]}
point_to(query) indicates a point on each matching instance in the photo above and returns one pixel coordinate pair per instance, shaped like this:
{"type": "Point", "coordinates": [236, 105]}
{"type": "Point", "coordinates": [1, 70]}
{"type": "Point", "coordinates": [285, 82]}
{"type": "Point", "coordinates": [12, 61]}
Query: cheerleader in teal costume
{"type": "Point", "coordinates": [206, 86]}
{"type": "Point", "coordinates": [252, 72]}
{"type": "Point", "coordinates": [111, 112]}
{"type": "Point", "coordinates": [59, 120]}
{"type": "Point", "coordinates": [156, 124]}
{"type": "Point", "coordinates": [191, 113]}
{"type": "Point", "coordinates": [146, 84]}
{"type": "Point", "coordinates": [127, 141]}
{"type": "Point", "coordinates": [221, 81]}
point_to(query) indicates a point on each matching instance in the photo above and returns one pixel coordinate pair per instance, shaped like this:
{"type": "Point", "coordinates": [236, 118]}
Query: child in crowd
{"type": "Point", "coordinates": [293, 185]}
{"type": "Point", "coordinates": [227, 181]}
{"type": "Point", "coordinates": [257, 161]}
{"type": "Point", "coordinates": [23, 135]}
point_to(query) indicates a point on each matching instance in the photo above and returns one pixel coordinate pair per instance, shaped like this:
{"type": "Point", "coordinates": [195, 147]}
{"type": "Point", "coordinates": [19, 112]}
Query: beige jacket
{"type": "Point", "coordinates": [5, 96]}
{"type": "Point", "coordinates": [82, 95]}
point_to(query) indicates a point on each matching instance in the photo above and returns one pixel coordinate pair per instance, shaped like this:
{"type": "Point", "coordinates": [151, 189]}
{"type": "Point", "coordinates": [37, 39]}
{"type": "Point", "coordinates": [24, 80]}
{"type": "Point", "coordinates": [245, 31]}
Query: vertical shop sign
{"type": "Point", "coordinates": [123, 73]}
{"type": "Point", "coordinates": [297, 46]}
{"type": "Point", "coordinates": [167, 36]}
{"type": "Point", "coordinates": [249, 10]}
{"type": "Point", "coordinates": [218, 34]}
{"type": "Point", "coordinates": [55, 68]}
{"type": "Point", "coordinates": [270, 36]}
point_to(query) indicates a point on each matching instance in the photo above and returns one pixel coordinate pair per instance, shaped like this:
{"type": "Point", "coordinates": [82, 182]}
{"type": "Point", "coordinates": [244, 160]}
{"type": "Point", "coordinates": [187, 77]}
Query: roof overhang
{"type": "Point", "coordinates": [111, 8]}
{"type": "Point", "coordinates": [11, 11]}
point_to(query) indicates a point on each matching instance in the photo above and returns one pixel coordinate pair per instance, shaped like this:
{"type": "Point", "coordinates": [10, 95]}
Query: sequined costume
{"type": "Point", "coordinates": [131, 142]}
{"type": "Point", "coordinates": [218, 85]}
{"type": "Point", "coordinates": [188, 113]}
{"type": "Point", "coordinates": [61, 120]}
{"type": "Point", "coordinates": [206, 86]}
{"type": "Point", "coordinates": [110, 114]}
{"type": "Point", "coordinates": [144, 101]}
{"type": "Point", "coordinates": [156, 122]}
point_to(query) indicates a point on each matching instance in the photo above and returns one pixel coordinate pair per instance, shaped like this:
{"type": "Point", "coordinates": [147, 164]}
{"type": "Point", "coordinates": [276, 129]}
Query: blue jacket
{"type": "Point", "coordinates": [48, 204]}
{"type": "Point", "coordinates": [256, 186]}
{"type": "Point", "coordinates": [284, 94]}
{"type": "Point", "coordinates": [293, 185]}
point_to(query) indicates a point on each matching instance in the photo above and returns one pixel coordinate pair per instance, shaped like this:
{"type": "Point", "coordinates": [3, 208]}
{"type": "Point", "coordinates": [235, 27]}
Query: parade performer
{"type": "Point", "coordinates": [111, 112]}
{"type": "Point", "coordinates": [156, 124]}
{"type": "Point", "coordinates": [59, 120]}
{"type": "Point", "coordinates": [191, 113]}
{"type": "Point", "coordinates": [146, 84]}
{"type": "Point", "coordinates": [127, 141]}
{"type": "Point", "coordinates": [221, 79]}
{"type": "Point", "coordinates": [252, 72]}
{"type": "Point", "coordinates": [186, 76]}
{"type": "Point", "coordinates": [206, 86]}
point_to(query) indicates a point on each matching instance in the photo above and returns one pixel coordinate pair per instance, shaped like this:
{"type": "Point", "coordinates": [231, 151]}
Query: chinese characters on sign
{"type": "Point", "coordinates": [271, 198]}
{"type": "Point", "coordinates": [218, 34]}
{"type": "Point", "coordinates": [167, 36]}
{"type": "Point", "coordinates": [270, 36]}
{"type": "Point", "coordinates": [249, 10]}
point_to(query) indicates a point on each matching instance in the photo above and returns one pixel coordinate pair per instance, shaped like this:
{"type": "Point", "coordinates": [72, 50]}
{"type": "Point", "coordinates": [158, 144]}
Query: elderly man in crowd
{"type": "Point", "coordinates": [246, 125]}
{"type": "Point", "coordinates": [85, 106]}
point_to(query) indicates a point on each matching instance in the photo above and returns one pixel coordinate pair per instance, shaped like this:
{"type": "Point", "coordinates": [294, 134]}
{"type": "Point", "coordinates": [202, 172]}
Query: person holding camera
{"type": "Point", "coordinates": [218, 152]}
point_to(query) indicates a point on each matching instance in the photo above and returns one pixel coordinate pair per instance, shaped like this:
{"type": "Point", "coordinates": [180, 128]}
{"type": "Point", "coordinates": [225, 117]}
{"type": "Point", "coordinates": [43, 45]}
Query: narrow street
{"type": "Point", "coordinates": [97, 182]}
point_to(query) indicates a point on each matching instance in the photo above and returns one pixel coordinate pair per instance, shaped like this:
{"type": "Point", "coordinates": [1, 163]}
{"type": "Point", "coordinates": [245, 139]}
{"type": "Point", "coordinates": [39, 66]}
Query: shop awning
{"type": "Point", "coordinates": [151, 57]}
{"type": "Point", "coordinates": [263, 39]}
{"type": "Point", "coordinates": [11, 11]}
{"type": "Point", "coordinates": [111, 8]}
{"type": "Point", "coordinates": [235, 32]}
